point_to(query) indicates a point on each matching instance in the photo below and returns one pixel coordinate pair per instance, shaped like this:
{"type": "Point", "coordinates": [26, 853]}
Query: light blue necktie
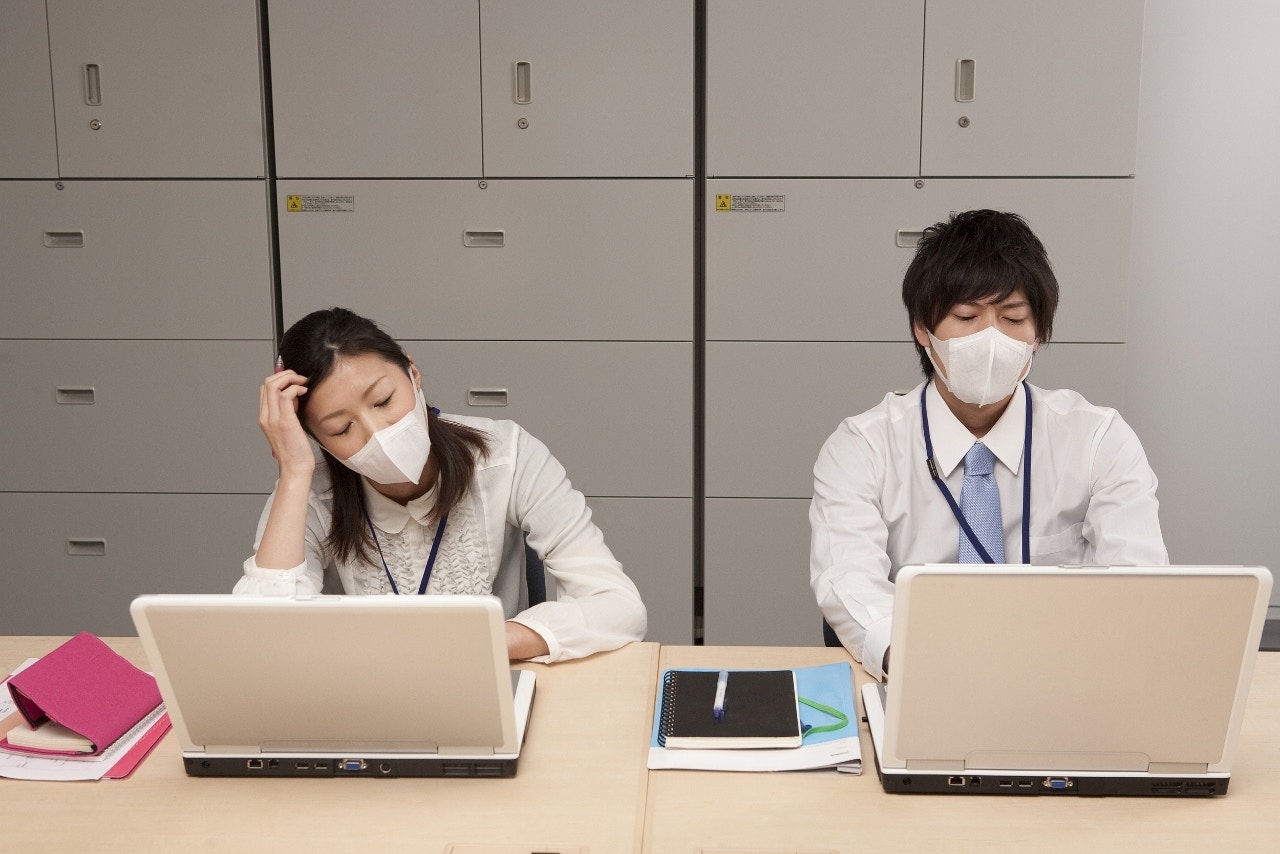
{"type": "Point", "coordinates": [980, 504]}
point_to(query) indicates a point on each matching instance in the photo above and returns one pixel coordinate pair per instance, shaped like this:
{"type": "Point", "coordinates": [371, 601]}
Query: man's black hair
{"type": "Point", "coordinates": [978, 256]}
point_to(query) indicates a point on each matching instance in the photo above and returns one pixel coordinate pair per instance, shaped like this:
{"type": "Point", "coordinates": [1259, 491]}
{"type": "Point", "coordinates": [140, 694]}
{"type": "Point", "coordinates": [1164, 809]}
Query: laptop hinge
{"type": "Point", "coordinates": [1163, 768]}
{"type": "Point", "coordinates": [466, 751]}
{"type": "Point", "coordinates": [231, 750]}
{"type": "Point", "coordinates": [947, 766]}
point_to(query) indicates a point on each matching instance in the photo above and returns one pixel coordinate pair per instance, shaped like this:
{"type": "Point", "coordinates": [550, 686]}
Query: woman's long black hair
{"type": "Point", "coordinates": [311, 347]}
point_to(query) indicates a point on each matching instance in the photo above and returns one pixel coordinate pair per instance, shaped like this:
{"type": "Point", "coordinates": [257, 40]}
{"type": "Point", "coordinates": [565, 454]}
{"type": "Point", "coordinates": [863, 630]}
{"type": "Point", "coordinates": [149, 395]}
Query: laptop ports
{"type": "Point", "coordinates": [1058, 783]}
{"type": "Point", "coordinates": [955, 781]}
{"type": "Point", "coordinates": [351, 765]}
{"type": "Point", "coordinates": [256, 764]}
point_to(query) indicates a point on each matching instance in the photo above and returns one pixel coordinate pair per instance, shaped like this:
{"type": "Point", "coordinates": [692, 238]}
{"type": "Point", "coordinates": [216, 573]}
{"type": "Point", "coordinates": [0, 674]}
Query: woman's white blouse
{"type": "Point", "coordinates": [518, 487]}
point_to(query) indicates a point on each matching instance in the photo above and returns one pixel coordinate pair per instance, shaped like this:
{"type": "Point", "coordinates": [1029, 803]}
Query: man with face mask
{"type": "Point", "coordinates": [975, 464]}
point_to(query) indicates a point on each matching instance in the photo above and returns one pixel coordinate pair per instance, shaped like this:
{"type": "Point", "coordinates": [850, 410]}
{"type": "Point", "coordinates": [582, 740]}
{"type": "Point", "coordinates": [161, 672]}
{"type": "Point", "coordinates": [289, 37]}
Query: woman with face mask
{"type": "Point", "coordinates": [975, 464]}
{"type": "Point", "coordinates": [409, 501]}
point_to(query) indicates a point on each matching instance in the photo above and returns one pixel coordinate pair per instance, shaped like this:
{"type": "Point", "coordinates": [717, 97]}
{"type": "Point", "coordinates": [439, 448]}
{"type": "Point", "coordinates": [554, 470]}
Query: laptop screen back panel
{"type": "Point", "coordinates": [1083, 670]}
{"type": "Point", "coordinates": [331, 675]}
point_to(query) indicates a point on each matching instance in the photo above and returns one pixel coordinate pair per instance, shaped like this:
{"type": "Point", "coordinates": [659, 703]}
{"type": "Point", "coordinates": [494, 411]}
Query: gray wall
{"type": "Point", "coordinates": [1205, 302]}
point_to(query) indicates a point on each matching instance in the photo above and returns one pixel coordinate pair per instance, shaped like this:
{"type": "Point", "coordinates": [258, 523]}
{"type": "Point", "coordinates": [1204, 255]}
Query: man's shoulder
{"type": "Point", "coordinates": [1065, 401]}
{"type": "Point", "coordinates": [892, 408]}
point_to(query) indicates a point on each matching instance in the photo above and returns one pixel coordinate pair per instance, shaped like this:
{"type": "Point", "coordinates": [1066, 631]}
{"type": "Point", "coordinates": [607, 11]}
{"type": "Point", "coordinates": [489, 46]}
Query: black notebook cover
{"type": "Point", "coordinates": [760, 710]}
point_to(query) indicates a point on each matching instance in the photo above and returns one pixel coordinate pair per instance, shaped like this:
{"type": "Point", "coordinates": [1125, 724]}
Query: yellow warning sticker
{"type": "Point", "coordinates": [320, 204]}
{"type": "Point", "coordinates": [752, 203]}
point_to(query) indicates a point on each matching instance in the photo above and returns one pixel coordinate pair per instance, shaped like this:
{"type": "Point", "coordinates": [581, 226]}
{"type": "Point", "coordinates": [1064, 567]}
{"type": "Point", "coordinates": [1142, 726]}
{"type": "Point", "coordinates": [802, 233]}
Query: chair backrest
{"type": "Point", "coordinates": [535, 578]}
{"type": "Point", "coordinates": [829, 635]}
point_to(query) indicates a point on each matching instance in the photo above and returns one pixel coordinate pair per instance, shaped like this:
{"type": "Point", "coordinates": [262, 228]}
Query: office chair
{"type": "Point", "coordinates": [535, 578]}
{"type": "Point", "coordinates": [829, 635]}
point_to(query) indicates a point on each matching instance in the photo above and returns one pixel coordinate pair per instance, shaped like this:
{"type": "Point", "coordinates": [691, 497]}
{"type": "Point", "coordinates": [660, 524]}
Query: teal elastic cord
{"type": "Point", "coordinates": [826, 710]}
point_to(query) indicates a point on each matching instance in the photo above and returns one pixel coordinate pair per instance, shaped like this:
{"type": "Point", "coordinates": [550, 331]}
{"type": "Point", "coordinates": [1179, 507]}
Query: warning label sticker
{"type": "Point", "coordinates": [751, 203]}
{"type": "Point", "coordinates": [320, 204]}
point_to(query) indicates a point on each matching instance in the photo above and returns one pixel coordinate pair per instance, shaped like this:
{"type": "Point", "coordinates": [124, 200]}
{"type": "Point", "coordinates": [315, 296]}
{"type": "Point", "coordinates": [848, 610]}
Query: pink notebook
{"type": "Point", "coordinates": [86, 687]}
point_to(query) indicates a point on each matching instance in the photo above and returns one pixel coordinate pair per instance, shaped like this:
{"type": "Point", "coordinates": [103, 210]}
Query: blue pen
{"type": "Point", "coordinates": [722, 682]}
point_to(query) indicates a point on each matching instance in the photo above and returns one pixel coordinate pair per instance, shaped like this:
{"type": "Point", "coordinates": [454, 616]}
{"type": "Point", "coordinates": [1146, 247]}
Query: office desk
{"type": "Point", "coordinates": [581, 782]}
{"type": "Point", "coordinates": [689, 811]}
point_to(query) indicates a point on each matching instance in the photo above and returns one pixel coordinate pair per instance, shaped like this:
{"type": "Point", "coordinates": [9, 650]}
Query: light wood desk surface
{"type": "Point", "coordinates": [581, 782]}
{"type": "Point", "coordinates": [716, 812]}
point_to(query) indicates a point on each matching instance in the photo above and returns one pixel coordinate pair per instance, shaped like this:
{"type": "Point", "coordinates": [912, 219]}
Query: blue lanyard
{"type": "Point", "coordinates": [955, 508]}
{"type": "Point", "coordinates": [431, 559]}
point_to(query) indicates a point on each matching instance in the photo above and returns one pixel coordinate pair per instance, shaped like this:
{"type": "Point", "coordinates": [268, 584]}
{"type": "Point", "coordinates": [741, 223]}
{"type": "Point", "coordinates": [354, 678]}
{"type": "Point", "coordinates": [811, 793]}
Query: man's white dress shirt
{"type": "Point", "coordinates": [876, 509]}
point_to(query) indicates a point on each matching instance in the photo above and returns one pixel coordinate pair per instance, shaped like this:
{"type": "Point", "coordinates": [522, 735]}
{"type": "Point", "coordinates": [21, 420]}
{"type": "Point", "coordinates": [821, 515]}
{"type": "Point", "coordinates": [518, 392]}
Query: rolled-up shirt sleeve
{"type": "Point", "coordinates": [305, 578]}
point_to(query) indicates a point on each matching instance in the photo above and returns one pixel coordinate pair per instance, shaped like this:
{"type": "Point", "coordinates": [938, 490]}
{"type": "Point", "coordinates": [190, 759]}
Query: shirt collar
{"type": "Point", "coordinates": [391, 516]}
{"type": "Point", "coordinates": [952, 440]}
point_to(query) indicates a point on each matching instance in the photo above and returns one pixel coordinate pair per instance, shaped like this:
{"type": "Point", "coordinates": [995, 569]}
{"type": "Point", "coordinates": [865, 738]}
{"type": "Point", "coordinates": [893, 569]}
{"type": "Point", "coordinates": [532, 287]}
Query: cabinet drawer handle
{"type": "Point", "coordinates": [524, 83]}
{"type": "Point", "coordinates": [487, 397]}
{"type": "Point", "coordinates": [92, 85]}
{"type": "Point", "coordinates": [966, 70]}
{"type": "Point", "coordinates": [77, 395]}
{"type": "Point", "coordinates": [483, 239]}
{"type": "Point", "coordinates": [87, 546]}
{"type": "Point", "coordinates": [64, 239]}
{"type": "Point", "coordinates": [908, 238]}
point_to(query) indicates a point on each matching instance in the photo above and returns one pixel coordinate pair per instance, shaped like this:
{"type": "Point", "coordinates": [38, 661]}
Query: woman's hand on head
{"type": "Point", "coordinates": [278, 418]}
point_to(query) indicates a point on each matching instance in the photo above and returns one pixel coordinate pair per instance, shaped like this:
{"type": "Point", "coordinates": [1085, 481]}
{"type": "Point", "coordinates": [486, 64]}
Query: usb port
{"type": "Point", "coordinates": [322, 766]}
{"type": "Point", "coordinates": [1006, 784]}
{"type": "Point", "coordinates": [303, 766]}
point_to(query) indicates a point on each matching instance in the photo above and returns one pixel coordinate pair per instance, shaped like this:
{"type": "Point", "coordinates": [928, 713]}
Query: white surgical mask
{"type": "Point", "coordinates": [396, 454]}
{"type": "Point", "coordinates": [984, 367]}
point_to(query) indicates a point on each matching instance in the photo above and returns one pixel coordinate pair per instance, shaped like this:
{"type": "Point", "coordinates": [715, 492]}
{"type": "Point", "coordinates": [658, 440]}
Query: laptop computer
{"type": "Point", "coordinates": [321, 686]}
{"type": "Point", "coordinates": [1018, 680]}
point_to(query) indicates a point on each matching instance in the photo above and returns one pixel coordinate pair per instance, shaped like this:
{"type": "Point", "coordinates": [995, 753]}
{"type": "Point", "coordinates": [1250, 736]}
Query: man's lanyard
{"type": "Point", "coordinates": [431, 559]}
{"type": "Point", "coordinates": [955, 508]}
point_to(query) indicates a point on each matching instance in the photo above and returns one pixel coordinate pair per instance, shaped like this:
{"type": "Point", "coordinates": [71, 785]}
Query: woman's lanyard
{"type": "Point", "coordinates": [431, 559]}
{"type": "Point", "coordinates": [955, 508]}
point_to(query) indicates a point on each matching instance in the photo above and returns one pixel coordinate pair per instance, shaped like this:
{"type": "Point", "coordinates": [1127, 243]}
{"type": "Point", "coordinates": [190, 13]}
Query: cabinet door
{"type": "Point", "coordinates": [157, 88]}
{"type": "Point", "coordinates": [134, 416]}
{"type": "Point", "coordinates": [617, 414]}
{"type": "Point", "coordinates": [581, 88]}
{"type": "Point", "coordinates": [136, 259]}
{"type": "Point", "coordinates": [795, 394]}
{"type": "Point", "coordinates": [653, 538]}
{"type": "Point", "coordinates": [1013, 87]}
{"type": "Point", "coordinates": [74, 562]}
{"type": "Point", "coordinates": [756, 578]}
{"type": "Point", "coordinates": [815, 87]}
{"type": "Point", "coordinates": [382, 88]}
{"type": "Point", "coordinates": [822, 260]}
{"type": "Point", "coordinates": [26, 99]}
{"type": "Point", "coordinates": [519, 260]}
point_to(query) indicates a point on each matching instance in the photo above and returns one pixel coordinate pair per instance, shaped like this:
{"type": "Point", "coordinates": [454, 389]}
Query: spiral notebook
{"type": "Point", "coordinates": [760, 710]}
{"type": "Point", "coordinates": [828, 725]}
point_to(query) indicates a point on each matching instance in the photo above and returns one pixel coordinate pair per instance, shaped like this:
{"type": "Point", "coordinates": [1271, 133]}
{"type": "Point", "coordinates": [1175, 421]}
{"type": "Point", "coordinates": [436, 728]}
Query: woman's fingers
{"type": "Point", "coordinates": [278, 415]}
